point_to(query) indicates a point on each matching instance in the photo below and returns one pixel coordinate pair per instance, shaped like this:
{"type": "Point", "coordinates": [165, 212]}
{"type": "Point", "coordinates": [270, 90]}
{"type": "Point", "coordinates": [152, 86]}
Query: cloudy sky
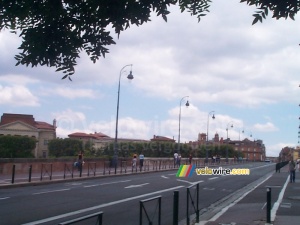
{"type": "Point", "coordinates": [246, 74]}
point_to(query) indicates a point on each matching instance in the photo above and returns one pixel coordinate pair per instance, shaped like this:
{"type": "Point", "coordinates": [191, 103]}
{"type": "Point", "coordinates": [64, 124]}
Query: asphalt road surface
{"type": "Point", "coordinates": [118, 197]}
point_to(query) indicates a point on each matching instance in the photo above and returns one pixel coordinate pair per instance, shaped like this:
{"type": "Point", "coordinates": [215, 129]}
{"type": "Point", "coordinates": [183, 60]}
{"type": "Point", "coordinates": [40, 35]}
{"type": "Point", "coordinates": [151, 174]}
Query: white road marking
{"type": "Point", "coordinates": [209, 189]}
{"type": "Point", "coordinates": [4, 198]}
{"type": "Point", "coordinates": [165, 177]}
{"type": "Point", "coordinates": [116, 182]}
{"type": "Point", "coordinates": [200, 181]}
{"type": "Point", "coordinates": [212, 178]}
{"type": "Point", "coordinates": [279, 200]}
{"type": "Point", "coordinates": [46, 192]}
{"type": "Point", "coordinates": [100, 206]}
{"type": "Point", "coordinates": [137, 185]}
{"type": "Point", "coordinates": [171, 174]}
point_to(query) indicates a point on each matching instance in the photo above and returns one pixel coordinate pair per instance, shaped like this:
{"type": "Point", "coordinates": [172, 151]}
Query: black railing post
{"type": "Point", "coordinates": [42, 172]}
{"type": "Point", "coordinates": [141, 212]}
{"type": "Point", "coordinates": [175, 207]}
{"type": "Point", "coordinates": [187, 206]}
{"type": "Point", "coordinates": [65, 168]}
{"type": "Point", "coordinates": [268, 205]}
{"type": "Point", "coordinates": [51, 171]}
{"type": "Point", "coordinates": [13, 174]}
{"type": "Point", "coordinates": [197, 210]}
{"type": "Point", "coordinates": [30, 171]}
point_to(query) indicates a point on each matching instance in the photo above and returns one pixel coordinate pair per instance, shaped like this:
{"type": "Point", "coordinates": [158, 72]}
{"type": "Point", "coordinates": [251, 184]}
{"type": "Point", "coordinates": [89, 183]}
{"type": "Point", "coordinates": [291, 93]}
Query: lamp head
{"type": "Point", "coordinates": [187, 104]}
{"type": "Point", "coordinates": [213, 116]}
{"type": "Point", "coordinates": [130, 76]}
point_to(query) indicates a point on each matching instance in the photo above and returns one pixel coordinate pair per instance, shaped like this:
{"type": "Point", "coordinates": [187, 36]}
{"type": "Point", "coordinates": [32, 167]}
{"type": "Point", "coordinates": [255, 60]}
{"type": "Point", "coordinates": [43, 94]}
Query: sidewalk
{"type": "Point", "coordinates": [250, 209]}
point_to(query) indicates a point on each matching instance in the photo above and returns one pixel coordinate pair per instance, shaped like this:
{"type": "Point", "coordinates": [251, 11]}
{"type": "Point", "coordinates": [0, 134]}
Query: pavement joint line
{"type": "Point", "coordinates": [217, 209]}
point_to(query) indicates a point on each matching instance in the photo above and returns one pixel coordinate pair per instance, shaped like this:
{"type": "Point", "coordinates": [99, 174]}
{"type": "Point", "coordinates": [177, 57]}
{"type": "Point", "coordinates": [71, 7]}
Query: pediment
{"type": "Point", "coordinates": [18, 125]}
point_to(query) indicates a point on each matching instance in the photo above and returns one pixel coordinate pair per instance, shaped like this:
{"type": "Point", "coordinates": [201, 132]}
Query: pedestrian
{"type": "Point", "coordinates": [134, 161]}
{"type": "Point", "coordinates": [292, 168]}
{"type": "Point", "coordinates": [190, 159]}
{"type": "Point", "coordinates": [141, 156]}
{"type": "Point", "coordinates": [80, 161]}
{"type": "Point", "coordinates": [175, 158]}
{"type": "Point", "coordinates": [178, 159]}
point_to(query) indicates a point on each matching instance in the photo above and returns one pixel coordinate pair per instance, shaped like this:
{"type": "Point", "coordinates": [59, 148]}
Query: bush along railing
{"type": "Point", "coordinates": [192, 198]}
{"type": "Point", "coordinates": [143, 210]}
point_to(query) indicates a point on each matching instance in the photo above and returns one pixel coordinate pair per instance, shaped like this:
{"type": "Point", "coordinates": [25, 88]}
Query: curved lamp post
{"type": "Point", "coordinates": [227, 139]}
{"type": "Point", "coordinates": [186, 104]}
{"type": "Point", "coordinates": [116, 147]}
{"type": "Point", "coordinates": [206, 151]}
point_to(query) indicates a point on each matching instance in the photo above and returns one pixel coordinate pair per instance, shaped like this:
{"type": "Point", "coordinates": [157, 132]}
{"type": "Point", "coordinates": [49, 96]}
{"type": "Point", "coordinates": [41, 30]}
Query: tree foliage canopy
{"type": "Point", "coordinates": [54, 32]}
{"type": "Point", "coordinates": [16, 146]}
{"type": "Point", "coordinates": [64, 147]}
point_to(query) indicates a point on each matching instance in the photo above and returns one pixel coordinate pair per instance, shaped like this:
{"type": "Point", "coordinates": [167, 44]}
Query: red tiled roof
{"type": "Point", "coordinates": [43, 125]}
{"type": "Point", "coordinates": [161, 138]}
{"type": "Point", "coordinates": [7, 118]}
{"type": "Point", "coordinates": [84, 135]}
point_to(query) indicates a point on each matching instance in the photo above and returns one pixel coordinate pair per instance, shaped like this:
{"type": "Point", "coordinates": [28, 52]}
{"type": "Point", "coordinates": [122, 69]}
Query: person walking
{"type": "Point", "coordinates": [134, 162]}
{"type": "Point", "coordinates": [292, 169]}
{"type": "Point", "coordinates": [175, 159]}
{"type": "Point", "coordinates": [190, 159]}
{"type": "Point", "coordinates": [141, 156]}
{"type": "Point", "coordinates": [80, 162]}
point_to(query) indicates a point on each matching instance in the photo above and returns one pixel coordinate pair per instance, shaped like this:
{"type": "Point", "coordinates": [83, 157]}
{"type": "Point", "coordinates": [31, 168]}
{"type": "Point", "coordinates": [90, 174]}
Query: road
{"type": "Point", "coordinates": [118, 196]}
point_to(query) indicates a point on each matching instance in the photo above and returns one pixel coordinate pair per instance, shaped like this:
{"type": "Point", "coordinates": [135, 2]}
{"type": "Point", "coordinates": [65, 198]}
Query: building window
{"type": "Point", "coordinates": [255, 150]}
{"type": "Point", "coordinates": [44, 154]}
{"type": "Point", "coordinates": [46, 142]}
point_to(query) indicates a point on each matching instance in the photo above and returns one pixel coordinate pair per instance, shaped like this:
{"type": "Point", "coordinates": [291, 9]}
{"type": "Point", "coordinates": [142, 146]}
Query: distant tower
{"type": "Point", "coordinates": [217, 138]}
{"type": "Point", "coordinates": [201, 137]}
{"type": "Point", "coordinates": [54, 123]}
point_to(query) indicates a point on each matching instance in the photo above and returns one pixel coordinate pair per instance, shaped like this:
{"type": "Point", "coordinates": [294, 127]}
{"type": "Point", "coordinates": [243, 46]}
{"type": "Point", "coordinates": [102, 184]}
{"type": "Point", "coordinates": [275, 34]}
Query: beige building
{"type": "Point", "coordinates": [25, 125]}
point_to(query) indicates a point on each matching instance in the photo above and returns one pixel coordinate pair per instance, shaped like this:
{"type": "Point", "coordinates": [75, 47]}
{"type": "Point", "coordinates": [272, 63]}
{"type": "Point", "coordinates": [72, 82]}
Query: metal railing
{"type": "Point", "coordinates": [192, 198]}
{"type": "Point", "coordinates": [46, 170]}
{"type": "Point", "coordinates": [69, 171]}
{"type": "Point", "coordinates": [143, 209]}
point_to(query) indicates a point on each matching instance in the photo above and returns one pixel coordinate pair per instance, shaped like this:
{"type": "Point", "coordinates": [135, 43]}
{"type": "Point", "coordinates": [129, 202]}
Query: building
{"type": "Point", "coordinates": [157, 138]}
{"type": "Point", "coordinates": [25, 125]}
{"type": "Point", "coordinates": [100, 140]}
{"type": "Point", "coordinates": [247, 149]}
{"type": "Point", "coordinates": [250, 150]}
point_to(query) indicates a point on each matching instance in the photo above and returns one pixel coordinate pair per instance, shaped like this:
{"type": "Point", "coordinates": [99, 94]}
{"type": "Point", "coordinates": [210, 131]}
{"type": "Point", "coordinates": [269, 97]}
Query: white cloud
{"type": "Point", "coordinates": [71, 93]}
{"type": "Point", "coordinates": [17, 95]}
{"type": "Point", "coordinates": [267, 127]}
{"type": "Point", "coordinates": [274, 150]}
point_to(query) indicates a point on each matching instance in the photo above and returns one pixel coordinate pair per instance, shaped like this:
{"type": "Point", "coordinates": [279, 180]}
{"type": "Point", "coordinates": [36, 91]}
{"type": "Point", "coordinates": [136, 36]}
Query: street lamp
{"type": "Point", "coordinates": [213, 117]}
{"type": "Point", "coordinates": [186, 104]}
{"type": "Point", "coordinates": [116, 148]}
{"type": "Point", "coordinates": [228, 140]}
